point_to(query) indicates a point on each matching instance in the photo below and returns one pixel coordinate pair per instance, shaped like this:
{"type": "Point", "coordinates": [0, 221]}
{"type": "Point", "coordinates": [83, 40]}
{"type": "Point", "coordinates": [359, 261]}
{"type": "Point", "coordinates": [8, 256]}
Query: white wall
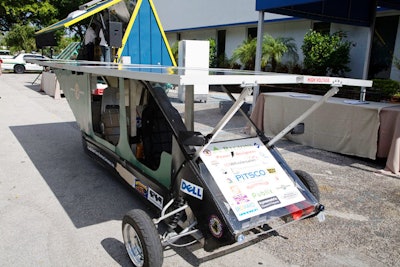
{"type": "Point", "coordinates": [234, 37]}
{"type": "Point", "coordinates": [195, 14]}
{"type": "Point", "coordinates": [186, 14]}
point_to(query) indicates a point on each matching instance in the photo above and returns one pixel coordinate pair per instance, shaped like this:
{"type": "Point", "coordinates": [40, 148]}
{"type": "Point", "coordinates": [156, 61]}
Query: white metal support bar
{"type": "Point", "coordinates": [231, 112]}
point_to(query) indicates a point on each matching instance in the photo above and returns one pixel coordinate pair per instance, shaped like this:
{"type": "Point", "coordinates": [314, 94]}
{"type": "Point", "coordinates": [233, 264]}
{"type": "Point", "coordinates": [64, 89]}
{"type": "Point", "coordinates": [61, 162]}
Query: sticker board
{"type": "Point", "coordinates": [249, 177]}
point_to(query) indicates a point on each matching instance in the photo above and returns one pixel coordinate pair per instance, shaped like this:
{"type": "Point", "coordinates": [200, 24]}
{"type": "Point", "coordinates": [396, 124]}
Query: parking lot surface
{"type": "Point", "coordinates": [60, 208]}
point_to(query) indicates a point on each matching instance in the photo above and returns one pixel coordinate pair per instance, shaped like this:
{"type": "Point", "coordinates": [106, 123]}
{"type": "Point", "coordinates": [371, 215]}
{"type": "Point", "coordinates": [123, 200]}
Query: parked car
{"type": "Point", "coordinates": [19, 65]}
{"type": "Point", "coordinates": [100, 86]}
{"type": "Point", "coordinates": [5, 54]}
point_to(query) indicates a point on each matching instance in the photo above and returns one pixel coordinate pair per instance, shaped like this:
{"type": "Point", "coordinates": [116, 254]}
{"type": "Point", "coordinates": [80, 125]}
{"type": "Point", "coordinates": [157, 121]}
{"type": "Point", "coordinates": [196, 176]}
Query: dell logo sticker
{"type": "Point", "coordinates": [191, 189]}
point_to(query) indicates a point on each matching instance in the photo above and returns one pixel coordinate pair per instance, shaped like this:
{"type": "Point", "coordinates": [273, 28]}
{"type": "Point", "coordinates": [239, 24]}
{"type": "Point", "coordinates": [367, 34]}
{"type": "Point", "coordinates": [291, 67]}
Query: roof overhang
{"type": "Point", "coordinates": [79, 15]}
{"type": "Point", "coordinates": [353, 12]}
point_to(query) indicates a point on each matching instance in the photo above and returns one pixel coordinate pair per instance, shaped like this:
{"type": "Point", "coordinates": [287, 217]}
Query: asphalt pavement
{"type": "Point", "coordinates": [60, 208]}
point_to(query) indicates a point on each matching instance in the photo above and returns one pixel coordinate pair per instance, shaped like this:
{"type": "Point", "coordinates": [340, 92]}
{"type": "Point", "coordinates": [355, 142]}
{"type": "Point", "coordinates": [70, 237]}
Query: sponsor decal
{"type": "Point", "coordinates": [155, 198]}
{"type": "Point", "coordinates": [215, 226]}
{"type": "Point", "coordinates": [245, 209]}
{"type": "Point", "coordinates": [268, 202]}
{"type": "Point", "coordinates": [259, 184]}
{"type": "Point", "coordinates": [283, 186]}
{"type": "Point", "coordinates": [191, 189]}
{"type": "Point", "coordinates": [290, 195]}
{"type": "Point", "coordinates": [249, 175]}
{"type": "Point", "coordinates": [261, 193]}
{"type": "Point", "coordinates": [141, 188]}
{"type": "Point", "coordinates": [240, 198]}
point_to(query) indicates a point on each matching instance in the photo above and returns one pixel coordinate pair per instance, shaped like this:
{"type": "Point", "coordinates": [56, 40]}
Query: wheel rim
{"type": "Point", "coordinates": [133, 245]}
{"type": "Point", "coordinates": [19, 69]}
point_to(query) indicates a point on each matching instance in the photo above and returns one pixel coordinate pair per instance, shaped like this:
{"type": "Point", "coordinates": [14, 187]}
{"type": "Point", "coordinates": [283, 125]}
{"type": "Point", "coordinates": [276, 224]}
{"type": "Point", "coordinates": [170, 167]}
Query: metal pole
{"type": "Point", "coordinates": [368, 52]}
{"type": "Point", "coordinates": [189, 107]}
{"type": "Point", "coordinates": [257, 67]}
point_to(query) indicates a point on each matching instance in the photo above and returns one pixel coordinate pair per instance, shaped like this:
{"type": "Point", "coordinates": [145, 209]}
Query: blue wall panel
{"type": "Point", "coordinates": [145, 44]}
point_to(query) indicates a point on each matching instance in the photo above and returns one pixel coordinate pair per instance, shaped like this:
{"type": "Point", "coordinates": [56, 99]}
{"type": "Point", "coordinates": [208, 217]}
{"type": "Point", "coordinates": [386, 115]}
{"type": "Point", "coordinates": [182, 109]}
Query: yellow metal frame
{"type": "Point", "coordinates": [81, 17]}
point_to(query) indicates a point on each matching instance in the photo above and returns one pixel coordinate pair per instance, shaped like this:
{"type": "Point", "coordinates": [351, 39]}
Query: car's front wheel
{"type": "Point", "coordinates": [309, 182]}
{"type": "Point", "coordinates": [19, 69]}
{"type": "Point", "coordinates": [141, 239]}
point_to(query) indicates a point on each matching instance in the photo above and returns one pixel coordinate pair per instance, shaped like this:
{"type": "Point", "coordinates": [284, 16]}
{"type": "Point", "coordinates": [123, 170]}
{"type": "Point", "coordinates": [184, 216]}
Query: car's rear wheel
{"type": "Point", "coordinates": [19, 69]}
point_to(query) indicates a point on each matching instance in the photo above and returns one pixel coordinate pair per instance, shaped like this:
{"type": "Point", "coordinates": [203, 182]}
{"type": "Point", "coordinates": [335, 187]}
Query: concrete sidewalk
{"type": "Point", "coordinates": [60, 208]}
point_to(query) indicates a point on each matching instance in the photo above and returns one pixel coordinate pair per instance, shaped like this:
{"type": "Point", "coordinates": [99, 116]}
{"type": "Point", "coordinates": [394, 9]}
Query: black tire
{"type": "Point", "coordinates": [309, 182]}
{"type": "Point", "coordinates": [19, 69]}
{"type": "Point", "coordinates": [141, 239]}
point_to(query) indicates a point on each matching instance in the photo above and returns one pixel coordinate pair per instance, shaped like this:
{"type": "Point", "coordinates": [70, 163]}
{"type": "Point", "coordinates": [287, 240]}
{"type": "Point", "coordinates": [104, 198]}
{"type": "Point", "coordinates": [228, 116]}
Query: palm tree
{"type": "Point", "coordinates": [272, 51]}
{"type": "Point", "coordinates": [291, 48]}
{"type": "Point", "coordinates": [245, 53]}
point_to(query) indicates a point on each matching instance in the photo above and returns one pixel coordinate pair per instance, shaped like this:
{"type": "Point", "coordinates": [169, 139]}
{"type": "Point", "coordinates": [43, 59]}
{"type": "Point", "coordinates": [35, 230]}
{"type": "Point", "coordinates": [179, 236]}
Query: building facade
{"type": "Point", "coordinates": [230, 22]}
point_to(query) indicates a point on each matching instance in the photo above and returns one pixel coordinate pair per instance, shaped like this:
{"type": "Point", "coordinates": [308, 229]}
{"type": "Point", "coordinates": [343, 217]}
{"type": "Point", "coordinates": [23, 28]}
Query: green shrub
{"type": "Point", "coordinates": [386, 87]}
{"type": "Point", "coordinates": [326, 54]}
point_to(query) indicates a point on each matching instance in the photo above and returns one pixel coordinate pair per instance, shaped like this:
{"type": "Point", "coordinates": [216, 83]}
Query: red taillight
{"type": "Point", "coordinates": [308, 208]}
{"type": "Point", "coordinates": [300, 209]}
{"type": "Point", "coordinates": [98, 91]}
{"type": "Point", "coordinates": [295, 211]}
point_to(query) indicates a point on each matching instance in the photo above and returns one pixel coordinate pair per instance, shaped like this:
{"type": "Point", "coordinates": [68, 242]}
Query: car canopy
{"type": "Point", "coordinates": [142, 36]}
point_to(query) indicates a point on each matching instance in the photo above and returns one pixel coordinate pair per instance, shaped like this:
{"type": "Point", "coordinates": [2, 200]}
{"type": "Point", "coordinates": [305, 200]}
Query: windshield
{"type": "Point", "coordinates": [209, 110]}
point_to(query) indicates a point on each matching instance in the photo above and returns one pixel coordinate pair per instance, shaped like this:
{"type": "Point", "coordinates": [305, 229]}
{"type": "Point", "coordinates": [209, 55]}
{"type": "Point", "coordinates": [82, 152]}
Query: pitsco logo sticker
{"type": "Point", "coordinates": [215, 226]}
{"type": "Point", "coordinates": [191, 189]}
{"type": "Point", "coordinates": [155, 198]}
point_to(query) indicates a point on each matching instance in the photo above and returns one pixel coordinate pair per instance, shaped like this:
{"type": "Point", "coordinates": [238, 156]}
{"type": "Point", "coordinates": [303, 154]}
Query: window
{"type": "Point", "coordinates": [322, 27]}
{"type": "Point", "coordinates": [221, 43]}
{"type": "Point", "coordinates": [252, 33]}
